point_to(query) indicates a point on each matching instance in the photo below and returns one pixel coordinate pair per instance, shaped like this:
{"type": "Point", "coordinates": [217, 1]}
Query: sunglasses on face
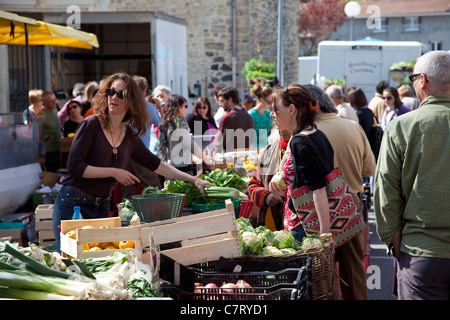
{"type": "Point", "coordinates": [73, 107]}
{"type": "Point", "coordinates": [388, 98]}
{"type": "Point", "coordinates": [204, 108]}
{"type": "Point", "coordinates": [413, 77]}
{"type": "Point", "coordinates": [111, 92]}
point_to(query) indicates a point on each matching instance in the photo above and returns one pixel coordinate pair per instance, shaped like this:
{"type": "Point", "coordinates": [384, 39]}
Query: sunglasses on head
{"type": "Point", "coordinates": [111, 92]}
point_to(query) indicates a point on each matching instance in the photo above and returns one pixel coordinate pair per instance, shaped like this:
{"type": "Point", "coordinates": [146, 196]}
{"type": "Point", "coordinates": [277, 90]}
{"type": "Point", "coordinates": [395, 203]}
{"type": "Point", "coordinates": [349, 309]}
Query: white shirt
{"type": "Point", "coordinates": [219, 116]}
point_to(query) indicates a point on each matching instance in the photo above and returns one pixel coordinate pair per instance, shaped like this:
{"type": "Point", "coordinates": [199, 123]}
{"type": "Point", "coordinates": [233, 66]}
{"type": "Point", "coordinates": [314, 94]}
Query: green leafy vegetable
{"type": "Point", "coordinates": [150, 189]}
{"type": "Point", "coordinates": [226, 178]}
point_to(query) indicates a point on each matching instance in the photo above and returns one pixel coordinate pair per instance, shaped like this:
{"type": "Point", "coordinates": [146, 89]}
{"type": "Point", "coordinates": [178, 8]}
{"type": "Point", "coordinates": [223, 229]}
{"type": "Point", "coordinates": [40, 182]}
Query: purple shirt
{"type": "Point", "coordinates": [91, 147]}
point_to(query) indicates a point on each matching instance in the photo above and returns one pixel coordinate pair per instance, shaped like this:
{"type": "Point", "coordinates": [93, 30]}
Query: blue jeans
{"type": "Point", "coordinates": [63, 210]}
{"type": "Point", "coordinates": [299, 233]}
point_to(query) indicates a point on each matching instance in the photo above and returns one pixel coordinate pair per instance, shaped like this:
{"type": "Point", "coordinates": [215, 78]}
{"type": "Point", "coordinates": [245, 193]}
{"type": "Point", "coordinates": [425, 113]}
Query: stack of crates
{"type": "Point", "coordinates": [44, 225]}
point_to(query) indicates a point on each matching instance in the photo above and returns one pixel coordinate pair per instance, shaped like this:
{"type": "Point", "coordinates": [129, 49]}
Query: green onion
{"type": "Point", "coordinates": [31, 295]}
{"type": "Point", "coordinates": [34, 265]}
{"type": "Point", "coordinates": [221, 193]}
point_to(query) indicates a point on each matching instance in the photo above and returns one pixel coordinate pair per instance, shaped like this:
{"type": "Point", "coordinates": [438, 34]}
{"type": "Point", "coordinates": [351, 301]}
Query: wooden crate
{"type": "Point", "coordinates": [44, 224]}
{"type": "Point", "coordinates": [204, 237]}
{"type": "Point", "coordinates": [114, 232]}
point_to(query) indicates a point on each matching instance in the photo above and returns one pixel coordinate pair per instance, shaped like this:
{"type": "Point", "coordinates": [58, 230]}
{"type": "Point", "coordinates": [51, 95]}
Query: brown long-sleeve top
{"type": "Point", "coordinates": [91, 147]}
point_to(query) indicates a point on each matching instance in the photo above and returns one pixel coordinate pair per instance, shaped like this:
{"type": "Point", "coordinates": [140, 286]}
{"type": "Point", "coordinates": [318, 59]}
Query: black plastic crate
{"type": "Point", "coordinates": [269, 280]}
{"type": "Point", "coordinates": [177, 293]}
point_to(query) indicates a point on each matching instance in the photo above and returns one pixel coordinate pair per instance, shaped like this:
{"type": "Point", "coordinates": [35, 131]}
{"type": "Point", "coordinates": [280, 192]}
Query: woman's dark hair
{"type": "Point", "coordinates": [357, 98]}
{"type": "Point", "coordinates": [394, 92]}
{"type": "Point", "coordinates": [302, 100]}
{"type": "Point", "coordinates": [137, 114]}
{"type": "Point", "coordinates": [203, 101]}
{"type": "Point", "coordinates": [73, 102]}
{"type": "Point", "coordinates": [261, 92]}
{"type": "Point", "coordinates": [171, 109]}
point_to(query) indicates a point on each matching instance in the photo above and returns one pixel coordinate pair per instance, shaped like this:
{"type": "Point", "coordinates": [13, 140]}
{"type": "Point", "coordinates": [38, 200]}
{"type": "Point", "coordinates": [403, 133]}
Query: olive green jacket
{"type": "Point", "coordinates": [412, 180]}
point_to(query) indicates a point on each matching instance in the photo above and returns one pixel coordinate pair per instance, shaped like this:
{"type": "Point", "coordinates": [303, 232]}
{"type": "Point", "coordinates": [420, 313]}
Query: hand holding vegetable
{"type": "Point", "coordinates": [276, 189]}
{"type": "Point", "coordinates": [201, 184]}
{"type": "Point", "coordinates": [272, 200]}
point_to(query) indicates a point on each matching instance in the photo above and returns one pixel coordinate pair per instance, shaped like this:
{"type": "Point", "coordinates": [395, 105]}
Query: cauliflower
{"type": "Point", "coordinates": [271, 250]}
{"type": "Point", "coordinates": [126, 214]}
{"type": "Point", "coordinates": [285, 239]}
{"type": "Point", "coordinates": [267, 237]}
{"type": "Point", "coordinates": [250, 243]}
{"type": "Point", "coordinates": [244, 224]}
{"type": "Point", "coordinates": [311, 242]}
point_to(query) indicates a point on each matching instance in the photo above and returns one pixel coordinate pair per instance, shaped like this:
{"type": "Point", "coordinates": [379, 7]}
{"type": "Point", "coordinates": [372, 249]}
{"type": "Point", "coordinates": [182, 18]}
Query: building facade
{"type": "Point", "coordinates": [221, 36]}
{"type": "Point", "coordinates": [401, 20]}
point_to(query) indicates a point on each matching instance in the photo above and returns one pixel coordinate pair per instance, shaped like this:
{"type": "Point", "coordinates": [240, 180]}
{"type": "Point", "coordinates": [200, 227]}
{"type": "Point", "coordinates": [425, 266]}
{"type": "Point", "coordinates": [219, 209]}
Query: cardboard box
{"type": "Point", "coordinates": [13, 235]}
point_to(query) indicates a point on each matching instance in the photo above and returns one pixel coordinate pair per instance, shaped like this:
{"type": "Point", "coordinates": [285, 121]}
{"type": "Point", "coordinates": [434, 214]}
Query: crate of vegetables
{"type": "Point", "coordinates": [269, 283]}
{"type": "Point", "coordinates": [260, 244]}
{"type": "Point", "coordinates": [86, 238]}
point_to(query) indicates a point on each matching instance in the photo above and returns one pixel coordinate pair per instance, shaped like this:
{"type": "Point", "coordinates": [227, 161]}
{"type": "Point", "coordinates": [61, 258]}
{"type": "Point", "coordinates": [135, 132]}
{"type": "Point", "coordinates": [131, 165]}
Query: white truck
{"type": "Point", "coordinates": [363, 63]}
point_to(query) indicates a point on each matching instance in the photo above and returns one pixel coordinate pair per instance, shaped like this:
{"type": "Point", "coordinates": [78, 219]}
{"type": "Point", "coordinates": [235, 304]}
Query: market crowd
{"type": "Point", "coordinates": [126, 137]}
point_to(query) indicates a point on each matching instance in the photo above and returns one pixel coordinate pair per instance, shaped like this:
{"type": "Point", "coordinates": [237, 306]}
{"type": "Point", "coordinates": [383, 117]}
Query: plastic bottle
{"type": "Point", "coordinates": [76, 213]}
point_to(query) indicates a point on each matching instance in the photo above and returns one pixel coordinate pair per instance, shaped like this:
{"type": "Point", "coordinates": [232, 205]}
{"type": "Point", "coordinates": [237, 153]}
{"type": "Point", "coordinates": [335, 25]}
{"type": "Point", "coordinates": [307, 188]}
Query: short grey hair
{"type": "Point", "coordinates": [78, 89]}
{"type": "Point", "coordinates": [326, 105]}
{"type": "Point", "coordinates": [335, 91]}
{"type": "Point", "coordinates": [162, 88]}
{"type": "Point", "coordinates": [435, 65]}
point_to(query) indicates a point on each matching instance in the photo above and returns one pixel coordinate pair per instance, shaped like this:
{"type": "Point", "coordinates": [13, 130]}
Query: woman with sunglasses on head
{"type": "Point", "coordinates": [394, 106]}
{"type": "Point", "coordinates": [201, 119]}
{"type": "Point", "coordinates": [175, 143]}
{"type": "Point", "coordinates": [101, 148]}
{"type": "Point", "coordinates": [310, 159]}
{"type": "Point", "coordinates": [74, 110]}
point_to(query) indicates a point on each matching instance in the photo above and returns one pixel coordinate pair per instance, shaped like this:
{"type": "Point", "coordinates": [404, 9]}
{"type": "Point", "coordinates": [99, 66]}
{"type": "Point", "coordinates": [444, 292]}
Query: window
{"type": "Point", "coordinates": [411, 24]}
{"type": "Point", "coordinates": [383, 26]}
{"type": "Point", "coordinates": [436, 45]}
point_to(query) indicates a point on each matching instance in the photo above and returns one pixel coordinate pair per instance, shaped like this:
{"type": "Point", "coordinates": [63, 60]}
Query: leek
{"type": "Point", "coordinates": [26, 283]}
{"type": "Point", "coordinates": [221, 193]}
{"type": "Point", "coordinates": [31, 295]}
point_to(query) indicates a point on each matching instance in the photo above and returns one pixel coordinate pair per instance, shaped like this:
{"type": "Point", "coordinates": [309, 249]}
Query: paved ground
{"type": "Point", "coordinates": [380, 273]}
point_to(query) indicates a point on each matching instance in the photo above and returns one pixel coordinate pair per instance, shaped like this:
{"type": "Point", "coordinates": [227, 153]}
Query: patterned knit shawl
{"type": "Point", "coordinates": [345, 219]}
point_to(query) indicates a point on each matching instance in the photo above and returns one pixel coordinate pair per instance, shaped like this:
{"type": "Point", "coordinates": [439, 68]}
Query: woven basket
{"type": "Point", "coordinates": [323, 269]}
{"type": "Point", "coordinates": [158, 206]}
{"type": "Point", "coordinates": [199, 205]}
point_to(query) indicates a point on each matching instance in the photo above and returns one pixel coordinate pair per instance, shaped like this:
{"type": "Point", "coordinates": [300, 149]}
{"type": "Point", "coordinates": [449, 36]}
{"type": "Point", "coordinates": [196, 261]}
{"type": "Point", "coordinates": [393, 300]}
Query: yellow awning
{"type": "Point", "coordinates": [12, 31]}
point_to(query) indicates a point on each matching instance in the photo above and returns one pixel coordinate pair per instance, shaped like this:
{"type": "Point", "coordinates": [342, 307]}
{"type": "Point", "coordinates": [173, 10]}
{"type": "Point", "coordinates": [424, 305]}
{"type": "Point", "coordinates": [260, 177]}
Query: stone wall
{"type": "Point", "coordinates": [209, 32]}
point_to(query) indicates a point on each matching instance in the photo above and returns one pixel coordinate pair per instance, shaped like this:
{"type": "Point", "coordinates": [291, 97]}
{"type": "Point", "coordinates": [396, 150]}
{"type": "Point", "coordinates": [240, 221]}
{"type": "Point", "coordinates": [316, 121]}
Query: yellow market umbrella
{"type": "Point", "coordinates": [12, 31]}
{"type": "Point", "coordinates": [19, 30]}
